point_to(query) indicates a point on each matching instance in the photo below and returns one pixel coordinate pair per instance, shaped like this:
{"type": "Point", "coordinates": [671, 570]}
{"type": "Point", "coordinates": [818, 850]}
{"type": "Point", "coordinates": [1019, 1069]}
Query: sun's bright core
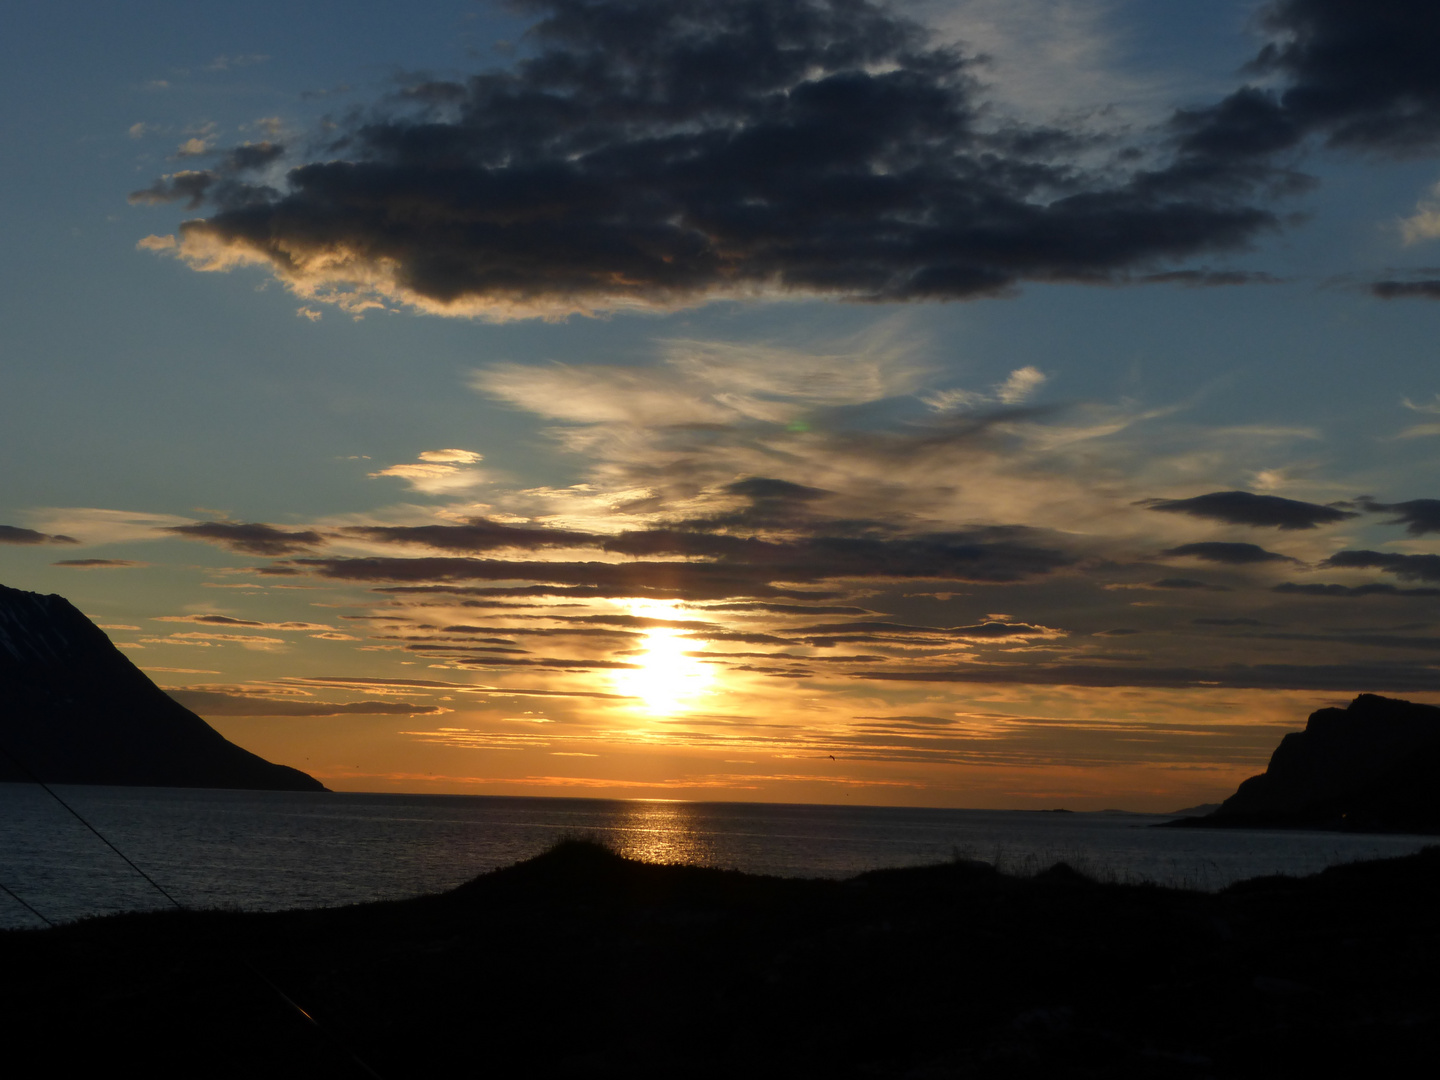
{"type": "Point", "coordinates": [667, 680]}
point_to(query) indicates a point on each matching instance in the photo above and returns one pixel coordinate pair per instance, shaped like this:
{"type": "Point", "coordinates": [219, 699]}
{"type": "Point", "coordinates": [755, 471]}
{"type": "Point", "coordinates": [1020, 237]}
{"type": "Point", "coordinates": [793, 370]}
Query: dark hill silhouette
{"type": "Point", "coordinates": [582, 964]}
{"type": "Point", "coordinates": [74, 710]}
{"type": "Point", "coordinates": [1371, 767]}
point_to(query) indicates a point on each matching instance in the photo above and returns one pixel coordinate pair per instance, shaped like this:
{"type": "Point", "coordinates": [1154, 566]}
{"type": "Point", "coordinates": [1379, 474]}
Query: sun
{"type": "Point", "coordinates": [667, 680]}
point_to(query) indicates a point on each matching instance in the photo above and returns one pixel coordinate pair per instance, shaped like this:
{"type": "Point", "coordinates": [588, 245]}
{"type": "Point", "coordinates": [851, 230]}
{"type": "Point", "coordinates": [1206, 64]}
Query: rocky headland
{"type": "Point", "coordinates": [1371, 767]}
{"type": "Point", "coordinates": [75, 710]}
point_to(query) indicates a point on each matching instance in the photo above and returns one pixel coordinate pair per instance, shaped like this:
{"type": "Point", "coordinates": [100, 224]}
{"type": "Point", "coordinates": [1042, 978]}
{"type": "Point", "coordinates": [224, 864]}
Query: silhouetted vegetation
{"type": "Point", "coordinates": [582, 963]}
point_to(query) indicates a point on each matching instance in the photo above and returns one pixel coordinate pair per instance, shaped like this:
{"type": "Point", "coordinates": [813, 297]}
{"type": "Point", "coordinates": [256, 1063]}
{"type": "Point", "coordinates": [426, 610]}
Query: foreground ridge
{"type": "Point", "coordinates": [582, 963]}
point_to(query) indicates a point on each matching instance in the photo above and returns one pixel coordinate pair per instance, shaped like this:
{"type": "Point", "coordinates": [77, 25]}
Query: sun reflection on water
{"type": "Point", "coordinates": [664, 832]}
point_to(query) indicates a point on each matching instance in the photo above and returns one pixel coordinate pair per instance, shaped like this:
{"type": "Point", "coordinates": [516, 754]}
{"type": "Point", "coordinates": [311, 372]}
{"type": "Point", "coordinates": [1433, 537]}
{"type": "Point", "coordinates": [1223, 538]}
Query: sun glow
{"type": "Point", "coordinates": [667, 680]}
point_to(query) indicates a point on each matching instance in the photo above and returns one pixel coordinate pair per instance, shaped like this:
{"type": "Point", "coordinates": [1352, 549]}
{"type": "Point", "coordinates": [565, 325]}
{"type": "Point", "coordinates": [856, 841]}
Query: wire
{"type": "Point", "coordinates": [322, 1031]}
{"type": "Point", "coordinates": [20, 900]}
{"type": "Point", "coordinates": [30, 773]}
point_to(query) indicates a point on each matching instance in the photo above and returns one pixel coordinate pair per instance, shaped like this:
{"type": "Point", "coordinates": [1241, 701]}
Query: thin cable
{"type": "Point", "coordinates": [19, 900]}
{"type": "Point", "coordinates": [28, 772]}
{"type": "Point", "coordinates": [320, 1029]}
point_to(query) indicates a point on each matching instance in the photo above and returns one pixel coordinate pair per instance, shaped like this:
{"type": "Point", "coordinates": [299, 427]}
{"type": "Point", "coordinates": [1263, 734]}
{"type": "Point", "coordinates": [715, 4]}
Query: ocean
{"type": "Point", "coordinates": [276, 850]}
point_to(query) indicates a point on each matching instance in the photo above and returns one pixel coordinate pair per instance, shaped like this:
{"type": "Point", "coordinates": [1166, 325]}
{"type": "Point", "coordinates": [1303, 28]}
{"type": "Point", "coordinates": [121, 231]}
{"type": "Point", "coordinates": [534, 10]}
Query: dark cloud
{"type": "Point", "coordinates": [1419, 516]}
{"type": "Point", "coordinates": [1357, 74]}
{"type": "Point", "coordinates": [1227, 622]}
{"type": "Point", "coordinates": [1405, 567]}
{"type": "Point", "coordinates": [227, 620]}
{"type": "Point", "coordinates": [13, 534]}
{"type": "Point", "coordinates": [388, 685]}
{"type": "Point", "coordinates": [669, 150]}
{"type": "Point", "coordinates": [787, 609]}
{"type": "Point", "coordinates": [576, 593]}
{"type": "Point", "coordinates": [1377, 678]}
{"type": "Point", "coordinates": [987, 631]}
{"type": "Point", "coordinates": [1210, 279]}
{"type": "Point", "coordinates": [617, 580]}
{"type": "Point", "coordinates": [1375, 589]}
{"type": "Point", "coordinates": [250, 539]}
{"type": "Point", "coordinates": [1184, 583]}
{"type": "Point", "coordinates": [98, 564]}
{"type": "Point", "coordinates": [477, 534]}
{"type": "Point", "coordinates": [1397, 290]}
{"type": "Point", "coordinates": [1244, 508]}
{"type": "Point", "coordinates": [1362, 72]}
{"type": "Point", "coordinates": [740, 568]}
{"type": "Point", "coordinates": [774, 504]}
{"type": "Point", "coordinates": [1229, 554]}
{"type": "Point", "coordinates": [227, 703]}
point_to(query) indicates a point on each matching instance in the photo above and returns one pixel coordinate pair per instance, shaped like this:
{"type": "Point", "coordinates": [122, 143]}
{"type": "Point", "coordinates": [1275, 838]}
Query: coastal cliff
{"type": "Point", "coordinates": [1371, 767]}
{"type": "Point", "coordinates": [75, 710]}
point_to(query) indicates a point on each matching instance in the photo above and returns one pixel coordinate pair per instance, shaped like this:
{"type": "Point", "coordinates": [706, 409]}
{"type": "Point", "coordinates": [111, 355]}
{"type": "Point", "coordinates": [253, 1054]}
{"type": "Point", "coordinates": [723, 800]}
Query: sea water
{"type": "Point", "coordinates": [276, 850]}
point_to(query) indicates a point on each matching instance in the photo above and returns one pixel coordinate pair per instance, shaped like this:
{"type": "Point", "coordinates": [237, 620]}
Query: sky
{"type": "Point", "coordinates": [974, 403]}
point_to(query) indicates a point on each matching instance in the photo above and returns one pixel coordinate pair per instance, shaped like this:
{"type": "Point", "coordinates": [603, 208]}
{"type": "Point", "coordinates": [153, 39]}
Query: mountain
{"type": "Point", "coordinates": [74, 710]}
{"type": "Point", "coordinates": [1371, 767]}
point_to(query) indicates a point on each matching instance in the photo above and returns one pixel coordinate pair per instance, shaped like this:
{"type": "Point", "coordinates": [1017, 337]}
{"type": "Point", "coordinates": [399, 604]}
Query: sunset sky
{"type": "Point", "coordinates": [985, 403]}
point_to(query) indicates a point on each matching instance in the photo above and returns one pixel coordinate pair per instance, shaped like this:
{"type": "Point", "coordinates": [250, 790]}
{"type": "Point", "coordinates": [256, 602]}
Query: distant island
{"type": "Point", "coordinates": [75, 710]}
{"type": "Point", "coordinates": [1371, 767]}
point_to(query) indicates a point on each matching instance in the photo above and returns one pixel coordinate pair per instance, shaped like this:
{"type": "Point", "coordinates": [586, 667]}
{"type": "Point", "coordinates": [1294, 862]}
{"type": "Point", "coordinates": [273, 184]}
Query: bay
{"type": "Point", "coordinates": [277, 850]}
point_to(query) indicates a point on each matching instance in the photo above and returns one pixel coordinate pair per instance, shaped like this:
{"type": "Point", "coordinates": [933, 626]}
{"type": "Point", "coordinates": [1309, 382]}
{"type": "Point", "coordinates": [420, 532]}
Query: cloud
{"type": "Point", "coordinates": [13, 534]}
{"type": "Point", "coordinates": [99, 564]}
{"type": "Point", "coordinates": [1020, 385]}
{"type": "Point", "coordinates": [96, 526]}
{"type": "Point", "coordinates": [193, 147]}
{"type": "Point", "coordinates": [1244, 508]}
{"type": "Point", "coordinates": [1405, 567]}
{"type": "Point", "coordinates": [384, 686]}
{"type": "Point", "coordinates": [1349, 591]}
{"type": "Point", "coordinates": [1419, 516]}
{"type": "Point", "coordinates": [1362, 74]}
{"type": "Point", "coordinates": [1210, 279]}
{"type": "Point", "coordinates": [1176, 583]}
{"type": "Point", "coordinates": [1424, 406]}
{"type": "Point", "coordinates": [438, 471]}
{"type": "Point", "coordinates": [1356, 76]}
{"type": "Point", "coordinates": [1229, 554]}
{"type": "Point", "coordinates": [226, 620]}
{"type": "Point", "coordinates": [740, 567]}
{"type": "Point", "coordinates": [478, 534]}
{"type": "Point", "coordinates": [453, 457]}
{"type": "Point", "coordinates": [1424, 224]}
{"type": "Point", "coordinates": [1342, 678]}
{"type": "Point", "coordinates": [208, 639]}
{"type": "Point", "coordinates": [1422, 289]}
{"type": "Point", "coordinates": [253, 538]}
{"type": "Point", "coordinates": [665, 152]}
{"type": "Point", "coordinates": [1017, 388]}
{"type": "Point", "coordinates": [223, 703]}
